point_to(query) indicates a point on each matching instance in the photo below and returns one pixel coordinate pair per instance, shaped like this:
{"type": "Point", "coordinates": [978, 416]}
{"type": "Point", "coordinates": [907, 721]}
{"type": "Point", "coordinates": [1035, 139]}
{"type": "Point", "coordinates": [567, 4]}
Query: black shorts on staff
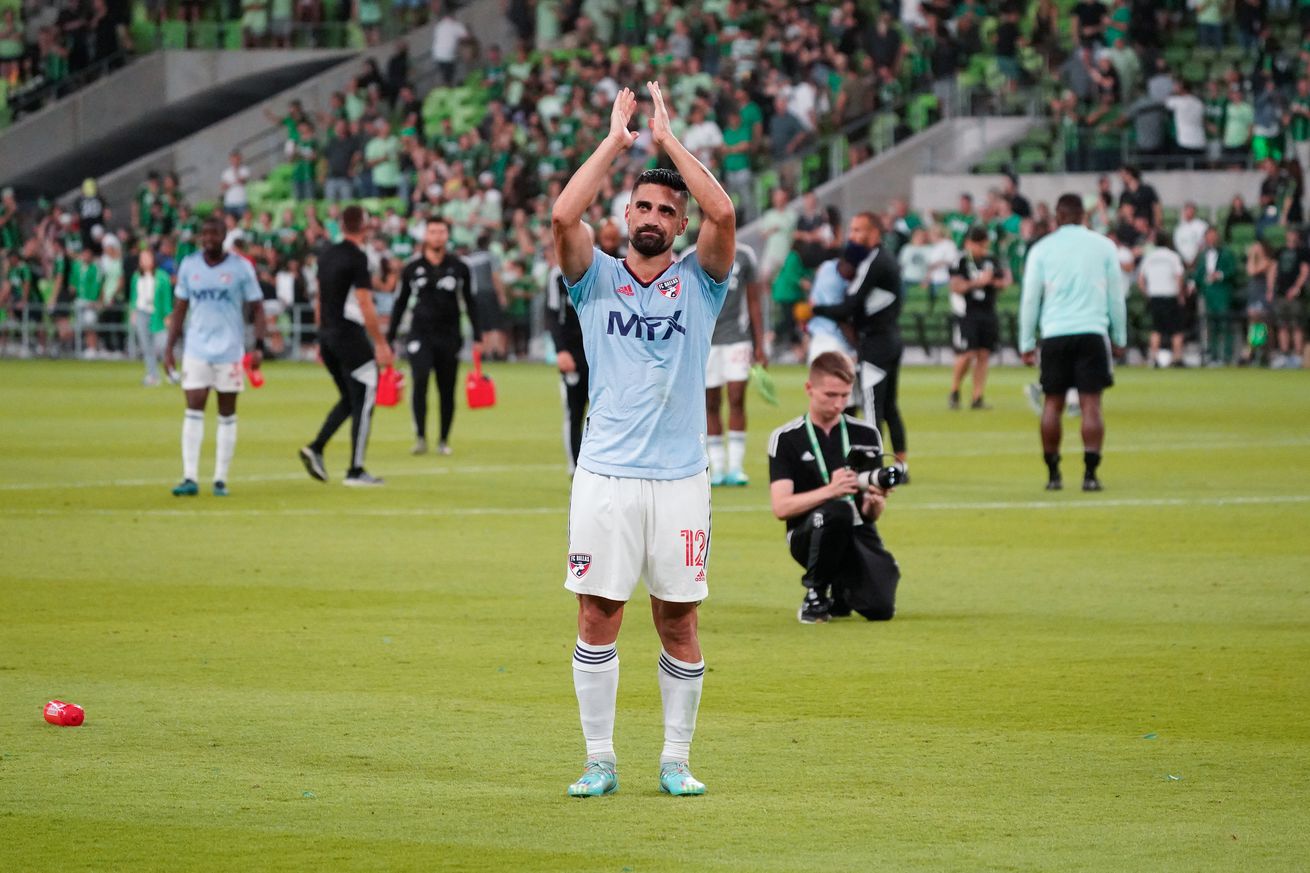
{"type": "Point", "coordinates": [977, 333]}
{"type": "Point", "coordinates": [1166, 315]}
{"type": "Point", "coordinates": [1079, 361]}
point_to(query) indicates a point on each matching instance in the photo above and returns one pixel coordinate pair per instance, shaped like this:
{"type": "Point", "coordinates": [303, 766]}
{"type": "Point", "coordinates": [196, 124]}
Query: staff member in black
{"type": "Point", "coordinates": [975, 281]}
{"type": "Point", "coordinates": [830, 525]}
{"type": "Point", "coordinates": [571, 358]}
{"type": "Point", "coordinates": [352, 347]}
{"type": "Point", "coordinates": [872, 305]}
{"type": "Point", "coordinates": [437, 279]}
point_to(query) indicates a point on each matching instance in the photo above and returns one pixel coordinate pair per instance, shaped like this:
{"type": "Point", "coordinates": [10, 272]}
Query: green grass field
{"type": "Point", "coordinates": [311, 677]}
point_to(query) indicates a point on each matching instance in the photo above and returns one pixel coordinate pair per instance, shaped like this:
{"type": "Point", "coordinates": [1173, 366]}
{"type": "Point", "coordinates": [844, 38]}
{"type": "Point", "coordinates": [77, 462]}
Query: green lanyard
{"type": "Point", "coordinates": [818, 453]}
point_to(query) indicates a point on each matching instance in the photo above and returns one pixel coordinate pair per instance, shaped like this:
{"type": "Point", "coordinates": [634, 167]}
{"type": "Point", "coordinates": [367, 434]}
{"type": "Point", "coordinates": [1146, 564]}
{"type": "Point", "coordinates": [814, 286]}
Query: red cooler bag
{"type": "Point", "coordinates": [480, 390]}
{"type": "Point", "coordinates": [391, 387]}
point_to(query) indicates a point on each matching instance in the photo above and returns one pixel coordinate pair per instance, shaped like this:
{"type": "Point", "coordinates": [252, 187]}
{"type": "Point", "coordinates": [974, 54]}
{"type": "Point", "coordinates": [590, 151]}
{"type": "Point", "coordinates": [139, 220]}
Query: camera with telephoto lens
{"type": "Point", "coordinates": [867, 464]}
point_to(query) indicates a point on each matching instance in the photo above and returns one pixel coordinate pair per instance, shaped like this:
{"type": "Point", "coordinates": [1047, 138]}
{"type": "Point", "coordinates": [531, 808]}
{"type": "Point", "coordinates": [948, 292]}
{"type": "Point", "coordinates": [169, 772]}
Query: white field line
{"type": "Point", "coordinates": [562, 509]}
{"type": "Point", "coordinates": [491, 469]}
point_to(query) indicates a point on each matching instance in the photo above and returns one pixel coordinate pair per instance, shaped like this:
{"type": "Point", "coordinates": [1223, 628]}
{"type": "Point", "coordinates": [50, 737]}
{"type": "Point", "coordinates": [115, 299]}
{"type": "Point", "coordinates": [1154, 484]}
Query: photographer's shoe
{"type": "Point", "coordinates": [1091, 483]}
{"type": "Point", "coordinates": [1055, 483]}
{"type": "Point", "coordinates": [815, 608]}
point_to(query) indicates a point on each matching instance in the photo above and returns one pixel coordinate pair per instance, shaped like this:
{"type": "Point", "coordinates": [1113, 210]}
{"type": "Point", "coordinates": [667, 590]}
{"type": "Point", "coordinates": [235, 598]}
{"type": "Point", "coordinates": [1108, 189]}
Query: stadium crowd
{"type": "Point", "coordinates": [754, 87]}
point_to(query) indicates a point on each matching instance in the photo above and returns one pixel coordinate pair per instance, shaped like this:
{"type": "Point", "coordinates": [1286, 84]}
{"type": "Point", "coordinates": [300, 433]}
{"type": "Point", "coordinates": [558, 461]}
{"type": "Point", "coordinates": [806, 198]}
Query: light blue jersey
{"type": "Point", "coordinates": [646, 346]}
{"type": "Point", "coordinates": [829, 289]}
{"type": "Point", "coordinates": [216, 324]}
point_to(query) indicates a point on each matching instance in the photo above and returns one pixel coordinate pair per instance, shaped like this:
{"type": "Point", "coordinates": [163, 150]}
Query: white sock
{"type": "Point", "coordinates": [680, 684]}
{"type": "Point", "coordinates": [596, 681]}
{"type": "Point", "coordinates": [193, 434]}
{"type": "Point", "coordinates": [736, 450]}
{"type": "Point", "coordinates": [718, 459]}
{"type": "Point", "coordinates": [227, 446]}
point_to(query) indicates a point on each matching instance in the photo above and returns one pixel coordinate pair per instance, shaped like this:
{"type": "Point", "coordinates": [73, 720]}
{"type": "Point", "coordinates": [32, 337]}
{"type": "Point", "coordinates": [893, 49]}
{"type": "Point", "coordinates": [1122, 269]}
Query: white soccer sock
{"type": "Point", "coordinates": [718, 459]}
{"type": "Point", "coordinates": [193, 434]}
{"type": "Point", "coordinates": [596, 681]}
{"type": "Point", "coordinates": [736, 450]}
{"type": "Point", "coordinates": [227, 446]}
{"type": "Point", "coordinates": [680, 685]}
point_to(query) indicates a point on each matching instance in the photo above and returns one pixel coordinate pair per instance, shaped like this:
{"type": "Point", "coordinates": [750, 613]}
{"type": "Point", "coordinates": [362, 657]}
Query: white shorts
{"type": "Point", "coordinates": [225, 378]}
{"type": "Point", "coordinates": [621, 529]}
{"type": "Point", "coordinates": [728, 363]}
{"type": "Point", "coordinates": [826, 342]}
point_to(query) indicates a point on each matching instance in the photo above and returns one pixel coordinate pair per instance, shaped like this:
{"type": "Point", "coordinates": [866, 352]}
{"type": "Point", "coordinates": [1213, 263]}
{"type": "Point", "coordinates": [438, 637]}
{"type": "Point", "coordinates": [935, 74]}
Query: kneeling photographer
{"type": "Point", "coordinates": [828, 483]}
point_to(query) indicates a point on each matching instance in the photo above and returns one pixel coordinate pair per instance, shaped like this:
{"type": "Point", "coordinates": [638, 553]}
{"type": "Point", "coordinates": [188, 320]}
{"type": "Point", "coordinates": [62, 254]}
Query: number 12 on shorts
{"type": "Point", "coordinates": [694, 541]}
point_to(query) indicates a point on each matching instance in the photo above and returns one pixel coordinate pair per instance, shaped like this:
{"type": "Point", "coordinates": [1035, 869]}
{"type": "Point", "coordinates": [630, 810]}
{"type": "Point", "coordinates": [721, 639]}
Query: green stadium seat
{"type": "Point", "coordinates": [919, 113]}
{"type": "Point", "coordinates": [1170, 217]}
{"type": "Point", "coordinates": [1242, 235]}
{"type": "Point", "coordinates": [173, 34]}
{"type": "Point", "coordinates": [1275, 235]}
{"type": "Point", "coordinates": [233, 38]}
{"type": "Point", "coordinates": [145, 36]}
{"type": "Point", "coordinates": [205, 35]}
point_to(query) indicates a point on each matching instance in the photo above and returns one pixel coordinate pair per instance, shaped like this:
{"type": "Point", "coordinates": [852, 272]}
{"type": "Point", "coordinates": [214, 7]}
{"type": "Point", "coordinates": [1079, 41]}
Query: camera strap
{"type": "Point", "coordinates": [818, 452]}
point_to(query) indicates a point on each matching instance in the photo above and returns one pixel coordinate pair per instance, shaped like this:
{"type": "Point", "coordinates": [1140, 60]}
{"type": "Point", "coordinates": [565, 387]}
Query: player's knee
{"type": "Point", "coordinates": [879, 612]}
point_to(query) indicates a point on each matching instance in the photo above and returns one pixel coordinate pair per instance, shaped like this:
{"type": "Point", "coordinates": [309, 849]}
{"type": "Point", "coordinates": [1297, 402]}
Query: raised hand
{"type": "Point", "coordinates": [625, 105]}
{"type": "Point", "coordinates": [660, 129]}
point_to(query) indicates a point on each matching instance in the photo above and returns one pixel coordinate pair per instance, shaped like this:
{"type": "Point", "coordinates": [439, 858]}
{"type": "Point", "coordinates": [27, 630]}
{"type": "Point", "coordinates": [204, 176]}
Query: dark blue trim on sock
{"type": "Point", "coordinates": [680, 672]}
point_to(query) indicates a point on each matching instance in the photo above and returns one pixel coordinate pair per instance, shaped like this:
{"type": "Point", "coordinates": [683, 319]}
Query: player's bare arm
{"type": "Point", "coordinates": [175, 322]}
{"type": "Point", "coordinates": [573, 241]}
{"type": "Point", "coordinates": [716, 246]}
{"type": "Point", "coordinates": [255, 312]}
{"type": "Point", "coordinates": [381, 350]}
{"type": "Point", "coordinates": [755, 308]}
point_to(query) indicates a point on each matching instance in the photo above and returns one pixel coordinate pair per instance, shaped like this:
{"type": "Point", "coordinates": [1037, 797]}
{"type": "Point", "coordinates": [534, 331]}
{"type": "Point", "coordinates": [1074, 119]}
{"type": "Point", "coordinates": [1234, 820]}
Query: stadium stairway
{"type": "Point", "coordinates": [158, 100]}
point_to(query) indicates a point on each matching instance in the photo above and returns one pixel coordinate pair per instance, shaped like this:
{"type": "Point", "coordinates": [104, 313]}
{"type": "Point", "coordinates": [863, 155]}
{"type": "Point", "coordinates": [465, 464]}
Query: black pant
{"type": "Point", "coordinates": [433, 355]}
{"type": "Point", "coordinates": [348, 356]}
{"type": "Point", "coordinates": [573, 391]}
{"type": "Point", "coordinates": [847, 558]}
{"type": "Point", "coordinates": [878, 385]}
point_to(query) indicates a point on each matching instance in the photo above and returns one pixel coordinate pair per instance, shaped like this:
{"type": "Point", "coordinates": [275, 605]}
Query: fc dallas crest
{"type": "Point", "coordinates": [670, 288]}
{"type": "Point", "coordinates": [579, 564]}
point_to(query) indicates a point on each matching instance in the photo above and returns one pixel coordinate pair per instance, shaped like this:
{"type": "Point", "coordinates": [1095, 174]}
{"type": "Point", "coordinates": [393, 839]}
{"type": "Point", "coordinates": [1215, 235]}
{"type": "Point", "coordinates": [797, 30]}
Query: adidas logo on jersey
{"type": "Point", "coordinates": [625, 290]}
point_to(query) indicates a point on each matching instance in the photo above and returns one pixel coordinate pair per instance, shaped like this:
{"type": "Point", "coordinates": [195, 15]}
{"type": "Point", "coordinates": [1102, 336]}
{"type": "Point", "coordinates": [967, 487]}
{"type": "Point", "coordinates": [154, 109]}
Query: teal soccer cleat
{"type": "Point", "coordinates": [736, 479]}
{"type": "Point", "coordinates": [186, 488]}
{"type": "Point", "coordinates": [676, 779]}
{"type": "Point", "coordinates": [220, 489]}
{"type": "Point", "coordinates": [598, 778]}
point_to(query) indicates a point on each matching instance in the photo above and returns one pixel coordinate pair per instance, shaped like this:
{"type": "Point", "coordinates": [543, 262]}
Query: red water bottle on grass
{"type": "Point", "coordinates": [64, 714]}
{"type": "Point", "coordinates": [479, 389]}
{"type": "Point", "coordinates": [255, 376]}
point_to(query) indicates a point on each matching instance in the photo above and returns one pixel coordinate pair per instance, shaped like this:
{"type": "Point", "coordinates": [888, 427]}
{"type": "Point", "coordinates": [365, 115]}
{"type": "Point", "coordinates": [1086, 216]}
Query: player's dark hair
{"type": "Point", "coordinates": [437, 219]}
{"type": "Point", "coordinates": [215, 221]}
{"type": "Point", "coordinates": [833, 364]}
{"type": "Point", "coordinates": [352, 219]}
{"type": "Point", "coordinates": [977, 234]}
{"type": "Point", "coordinates": [670, 179]}
{"type": "Point", "coordinates": [1069, 209]}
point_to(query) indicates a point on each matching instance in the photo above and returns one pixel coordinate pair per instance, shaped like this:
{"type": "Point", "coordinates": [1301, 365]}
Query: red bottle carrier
{"type": "Point", "coordinates": [64, 714]}
{"type": "Point", "coordinates": [391, 387]}
{"type": "Point", "coordinates": [256, 377]}
{"type": "Point", "coordinates": [481, 391]}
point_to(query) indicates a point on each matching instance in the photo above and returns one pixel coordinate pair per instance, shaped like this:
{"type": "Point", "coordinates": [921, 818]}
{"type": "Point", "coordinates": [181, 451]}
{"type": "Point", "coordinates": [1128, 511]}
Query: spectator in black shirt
{"type": "Point", "coordinates": [884, 43]}
{"type": "Point", "coordinates": [1140, 197]}
{"type": "Point", "coordinates": [343, 162]}
{"type": "Point", "coordinates": [352, 347]}
{"type": "Point", "coordinates": [831, 528]}
{"type": "Point", "coordinates": [436, 279]}
{"type": "Point", "coordinates": [872, 306]}
{"type": "Point", "coordinates": [1091, 22]}
{"type": "Point", "coordinates": [976, 280]}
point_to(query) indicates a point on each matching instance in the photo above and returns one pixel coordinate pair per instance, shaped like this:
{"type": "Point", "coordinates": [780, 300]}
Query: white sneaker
{"type": "Point", "coordinates": [362, 479]}
{"type": "Point", "coordinates": [444, 449]}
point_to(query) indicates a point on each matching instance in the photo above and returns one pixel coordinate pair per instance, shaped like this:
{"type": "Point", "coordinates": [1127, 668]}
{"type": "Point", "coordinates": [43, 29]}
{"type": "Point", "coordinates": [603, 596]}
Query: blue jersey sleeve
{"type": "Point", "coordinates": [582, 289]}
{"type": "Point", "coordinates": [716, 290]}
{"type": "Point", "coordinates": [182, 290]}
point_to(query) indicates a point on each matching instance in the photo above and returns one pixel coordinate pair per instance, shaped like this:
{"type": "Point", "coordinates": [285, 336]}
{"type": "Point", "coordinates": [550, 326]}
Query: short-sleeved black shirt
{"type": "Point", "coordinates": [1142, 201]}
{"type": "Point", "coordinates": [342, 270]}
{"type": "Point", "coordinates": [792, 457]}
{"type": "Point", "coordinates": [437, 289]}
{"type": "Point", "coordinates": [979, 302]}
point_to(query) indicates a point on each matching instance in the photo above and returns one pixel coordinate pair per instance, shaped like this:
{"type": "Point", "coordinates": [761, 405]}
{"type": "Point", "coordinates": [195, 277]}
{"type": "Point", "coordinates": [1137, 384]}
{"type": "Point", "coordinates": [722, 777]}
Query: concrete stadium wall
{"type": "Point", "coordinates": [199, 159]}
{"type": "Point", "coordinates": [1205, 188]}
{"type": "Point", "coordinates": [121, 100]}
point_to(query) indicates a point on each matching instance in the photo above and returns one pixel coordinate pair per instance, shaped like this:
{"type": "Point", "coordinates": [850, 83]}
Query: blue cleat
{"type": "Point", "coordinates": [186, 488]}
{"type": "Point", "coordinates": [676, 779]}
{"type": "Point", "coordinates": [716, 479]}
{"type": "Point", "coordinates": [736, 478]}
{"type": "Point", "coordinates": [220, 489]}
{"type": "Point", "coordinates": [598, 778]}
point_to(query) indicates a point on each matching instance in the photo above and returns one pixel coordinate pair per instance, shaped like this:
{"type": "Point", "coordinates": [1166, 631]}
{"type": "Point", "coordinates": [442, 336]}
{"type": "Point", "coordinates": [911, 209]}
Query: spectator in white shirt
{"type": "Point", "coordinates": [942, 256]}
{"type": "Point", "coordinates": [233, 179]}
{"type": "Point", "coordinates": [1189, 235]}
{"type": "Point", "coordinates": [703, 138]}
{"type": "Point", "coordinates": [446, 38]}
{"type": "Point", "coordinates": [1160, 276]}
{"type": "Point", "coordinates": [1189, 120]}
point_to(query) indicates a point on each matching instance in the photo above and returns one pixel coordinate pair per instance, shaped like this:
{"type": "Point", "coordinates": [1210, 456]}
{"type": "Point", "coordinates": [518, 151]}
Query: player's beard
{"type": "Point", "coordinates": [650, 241]}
